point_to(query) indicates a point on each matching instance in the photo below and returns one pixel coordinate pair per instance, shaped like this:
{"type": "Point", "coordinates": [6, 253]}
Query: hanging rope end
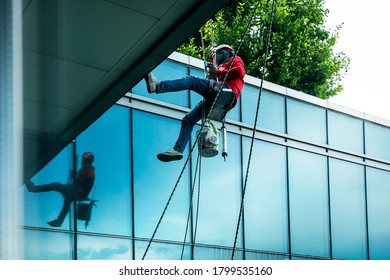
{"type": "Point", "coordinates": [224, 154]}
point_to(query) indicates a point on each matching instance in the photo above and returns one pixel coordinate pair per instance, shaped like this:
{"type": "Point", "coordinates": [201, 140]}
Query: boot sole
{"type": "Point", "coordinates": [148, 81]}
{"type": "Point", "coordinates": [167, 158]}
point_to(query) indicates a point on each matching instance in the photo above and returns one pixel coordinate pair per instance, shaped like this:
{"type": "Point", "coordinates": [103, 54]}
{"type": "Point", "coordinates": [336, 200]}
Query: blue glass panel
{"type": "Point", "coordinates": [45, 206]}
{"type": "Point", "coordinates": [235, 113]}
{"type": "Point", "coordinates": [306, 121]}
{"type": "Point", "coordinates": [211, 253]}
{"type": "Point", "coordinates": [345, 132]}
{"type": "Point", "coordinates": [103, 248]}
{"type": "Point", "coordinates": [305, 258]}
{"type": "Point", "coordinates": [377, 141]}
{"type": "Point", "coordinates": [309, 219]}
{"type": "Point", "coordinates": [195, 98]}
{"type": "Point", "coordinates": [162, 251]}
{"type": "Point", "coordinates": [109, 139]}
{"type": "Point", "coordinates": [249, 98]}
{"type": "Point", "coordinates": [378, 197]}
{"type": "Point", "coordinates": [154, 180]}
{"type": "Point", "coordinates": [348, 211]}
{"type": "Point", "coordinates": [44, 245]}
{"type": "Point", "coordinates": [264, 256]}
{"type": "Point", "coordinates": [266, 197]}
{"type": "Point", "coordinates": [167, 70]}
{"type": "Point", "coordinates": [220, 196]}
{"type": "Point", "coordinates": [272, 109]}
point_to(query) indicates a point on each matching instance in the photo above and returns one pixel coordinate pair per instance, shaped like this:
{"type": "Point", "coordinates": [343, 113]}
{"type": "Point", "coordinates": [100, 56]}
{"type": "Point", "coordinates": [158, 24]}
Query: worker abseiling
{"type": "Point", "coordinates": [85, 179]}
{"type": "Point", "coordinates": [224, 67]}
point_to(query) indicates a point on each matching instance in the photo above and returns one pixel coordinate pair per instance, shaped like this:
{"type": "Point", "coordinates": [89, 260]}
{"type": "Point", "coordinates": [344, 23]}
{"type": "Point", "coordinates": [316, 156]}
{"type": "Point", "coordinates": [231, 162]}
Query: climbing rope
{"type": "Point", "coordinates": [254, 126]}
{"type": "Point", "coordinates": [198, 135]}
{"type": "Point", "coordinates": [197, 168]}
{"type": "Point", "coordinates": [197, 208]}
{"type": "Point", "coordinates": [203, 52]}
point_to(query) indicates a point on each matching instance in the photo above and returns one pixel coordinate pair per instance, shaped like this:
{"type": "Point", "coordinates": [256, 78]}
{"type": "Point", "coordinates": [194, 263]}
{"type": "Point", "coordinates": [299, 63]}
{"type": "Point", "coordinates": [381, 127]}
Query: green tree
{"type": "Point", "coordinates": [301, 54]}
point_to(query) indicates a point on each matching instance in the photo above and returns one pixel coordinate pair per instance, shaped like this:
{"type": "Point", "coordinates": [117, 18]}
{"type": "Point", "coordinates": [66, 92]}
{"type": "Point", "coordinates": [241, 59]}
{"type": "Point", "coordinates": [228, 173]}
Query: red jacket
{"type": "Point", "coordinates": [85, 179]}
{"type": "Point", "coordinates": [235, 78]}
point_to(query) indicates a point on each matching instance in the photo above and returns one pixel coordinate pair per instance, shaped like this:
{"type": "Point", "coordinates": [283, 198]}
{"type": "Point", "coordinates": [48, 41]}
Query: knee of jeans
{"type": "Point", "coordinates": [191, 79]}
{"type": "Point", "coordinates": [187, 121]}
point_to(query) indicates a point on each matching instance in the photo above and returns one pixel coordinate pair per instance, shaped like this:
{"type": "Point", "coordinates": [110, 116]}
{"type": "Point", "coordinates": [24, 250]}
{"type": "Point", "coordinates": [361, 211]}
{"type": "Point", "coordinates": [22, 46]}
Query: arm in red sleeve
{"type": "Point", "coordinates": [236, 71]}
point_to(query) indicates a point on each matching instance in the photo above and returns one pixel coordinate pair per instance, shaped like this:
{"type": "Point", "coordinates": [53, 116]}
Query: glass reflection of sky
{"type": "Point", "coordinates": [306, 121]}
{"type": "Point", "coordinates": [309, 221]}
{"type": "Point", "coordinates": [266, 197]}
{"type": "Point", "coordinates": [272, 109]}
{"type": "Point", "coordinates": [41, 245]}
{"type": "Point", "coordinates": [377, 141]}
{"type": "Point", "coordinates": [103, 248]}
{"type": "Point", "coordinates": [161, 251]}
{"type": "Point", "coordinates": [209, 253]}
{"type": "Point", "coordinates": [378, 197]}
{"type": "Point", "coordinates": [154, 180]}
{"type": "Point", "coordinates": [264, 256]}
{"type": "Point", "coordinates": [349, 240]}
{"type": "Point", "coordinates": [345, 132]}
{"type": "Point", "coordinates": [109, 139]}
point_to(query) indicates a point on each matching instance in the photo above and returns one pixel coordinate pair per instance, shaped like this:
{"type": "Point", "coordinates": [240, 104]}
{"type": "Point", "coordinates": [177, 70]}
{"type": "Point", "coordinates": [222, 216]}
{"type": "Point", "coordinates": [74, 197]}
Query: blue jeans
{"type": "Point", "coordinates": [202, 87]}
{"type": "Point", "coordinates": [67, 192]}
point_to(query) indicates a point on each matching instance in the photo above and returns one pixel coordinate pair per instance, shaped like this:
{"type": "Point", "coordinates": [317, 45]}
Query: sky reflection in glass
{"type": "Point", "coordinates": [348, 215]}
{"type": "Point", "coordinates": [309, 219]}
{"type": "Point", "coordinates": [272, 109]}
{"type": "Point", "coordinates": [306, 121]}
{"type": "Point", "coordinates": [377, 141]}
{"type": "Point", "coordinates": [109, 139]}
{"type": "Point", "coordinates": [266, 197]}
{"type": "Point", "coordinates": [345, 132]}
{"type": "Point", "coordinates": [161, 251]}
{"type": "Point", "coordinates": [154, 180]}
{"type": "Point", "coordinates": [103, 248]}
{"type": "Point", "coordinates": [378, 198]}
{"type": "Point", "coordinates": [42, 245]}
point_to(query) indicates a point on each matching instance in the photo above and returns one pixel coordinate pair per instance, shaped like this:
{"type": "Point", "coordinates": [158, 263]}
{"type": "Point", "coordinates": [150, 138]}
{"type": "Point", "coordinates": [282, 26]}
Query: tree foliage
{"type": "Point", "coordinates": [301, 54]}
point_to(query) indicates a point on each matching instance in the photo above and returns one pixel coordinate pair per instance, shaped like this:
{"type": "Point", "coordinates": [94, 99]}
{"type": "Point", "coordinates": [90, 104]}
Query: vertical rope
{"type": "Point", "coordinates": [190, 206]}
{"type": "Point", "coordinates": [254, 128]}
{"type": "Point", "coordinates": [197, 207]}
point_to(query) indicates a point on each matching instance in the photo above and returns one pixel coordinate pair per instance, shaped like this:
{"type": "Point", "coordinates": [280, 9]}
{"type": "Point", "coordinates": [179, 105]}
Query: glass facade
{"type": "Point", "coordinates": [266, 219]}
{"type": "Point", "coordinates": [308, 193]}
{"type": "Point", "coordinates": [348, 211]}
{"type": "Point", "coordinates": [345, 132]}
{"type": "Point", "coordinates": [306, 121]}
{"type": "Point", "coordinates": [318, 184]}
